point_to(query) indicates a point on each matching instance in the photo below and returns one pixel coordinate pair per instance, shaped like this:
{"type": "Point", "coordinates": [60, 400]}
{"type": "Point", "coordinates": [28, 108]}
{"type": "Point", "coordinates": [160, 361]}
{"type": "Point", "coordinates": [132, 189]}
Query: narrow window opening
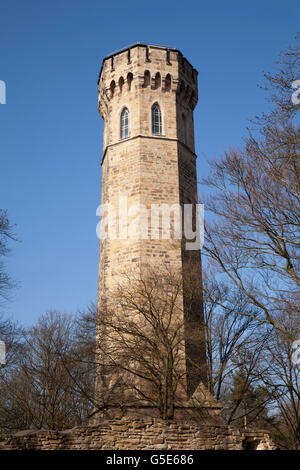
{"type": "Point", "coordinates": [156, 120]}
{"type": "Point", "coordinates": [125, 123]}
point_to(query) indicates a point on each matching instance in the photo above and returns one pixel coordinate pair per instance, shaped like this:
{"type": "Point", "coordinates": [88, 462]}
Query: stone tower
{"type": "Point", "coordinates": [147, 95]}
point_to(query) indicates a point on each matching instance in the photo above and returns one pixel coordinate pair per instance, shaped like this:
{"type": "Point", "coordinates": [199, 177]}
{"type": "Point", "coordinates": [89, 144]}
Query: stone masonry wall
{"type": "Point", "coordinates": [140, 434]}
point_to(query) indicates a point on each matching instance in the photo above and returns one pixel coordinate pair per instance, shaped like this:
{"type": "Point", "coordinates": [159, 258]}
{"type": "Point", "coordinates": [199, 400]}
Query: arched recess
{"type": "Point", "coordinates": [182, 88]}
{"type": "Point", "coordinates": [112, 88]}
{"type": "Point", "coordinates": [192, 102]}
{"type": "Point", "coordinates": [168, 82]}
{"type": "Point", "coordinates": [157, 81]}
{"type": "Point", "coordinates": [129, 80]}
{"type": "Point", "coordinates": [147, 78]}
{"type": "Point", "coordinates": [187, 92]}
{"type": "Point", "coordinates": [121, 83]}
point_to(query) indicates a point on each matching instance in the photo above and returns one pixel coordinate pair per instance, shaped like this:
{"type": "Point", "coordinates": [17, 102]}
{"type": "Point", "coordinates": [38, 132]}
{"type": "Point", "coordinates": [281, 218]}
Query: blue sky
{"type": "Point", "coordinates": [50, 130]}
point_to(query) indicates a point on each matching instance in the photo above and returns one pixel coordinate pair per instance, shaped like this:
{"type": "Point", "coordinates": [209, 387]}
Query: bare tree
{"type": "Point", "coordinates": [235, 345]}
{"type": "Point", "coordinates": [42, 388]}
{"type": "Point", "coordinates": [11, 334]}
{"type": "Point", "coordinates": [228, 334]}
{"type": "Point", "coordinates": [140, 355]}
{"type": "Point", "coordinates": [278, 372]}
{"type": "Point", "coordinates": [279, 86]}
{"type": "Point", "coordinates": [247, 399]}
{"type": "Point", "coordinates": [255, 239]}
{"type": "Point", "coordinates": [6, 233]}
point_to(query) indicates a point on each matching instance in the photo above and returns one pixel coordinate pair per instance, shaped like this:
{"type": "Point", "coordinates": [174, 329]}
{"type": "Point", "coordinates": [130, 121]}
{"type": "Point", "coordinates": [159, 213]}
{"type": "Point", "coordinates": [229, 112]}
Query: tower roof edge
{"type": "Point", "coordinates": [142, 44]}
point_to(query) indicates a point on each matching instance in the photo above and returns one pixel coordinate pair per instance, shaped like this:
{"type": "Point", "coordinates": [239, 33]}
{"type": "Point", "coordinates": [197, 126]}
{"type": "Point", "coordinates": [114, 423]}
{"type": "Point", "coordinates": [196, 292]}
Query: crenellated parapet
{"type": "Point", "coordinates": [183, 76]}
{"type": "Point", "coordinates": [140, 77]}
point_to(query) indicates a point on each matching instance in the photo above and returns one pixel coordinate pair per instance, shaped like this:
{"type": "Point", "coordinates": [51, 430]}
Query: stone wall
{"type": "Point", "coordinates": [141, 434]}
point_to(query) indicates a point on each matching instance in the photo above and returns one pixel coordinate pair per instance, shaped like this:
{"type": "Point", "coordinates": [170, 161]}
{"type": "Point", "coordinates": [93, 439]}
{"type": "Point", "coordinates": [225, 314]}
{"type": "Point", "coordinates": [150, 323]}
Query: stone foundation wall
{"type": "Point", "coordinates": [140, 434]}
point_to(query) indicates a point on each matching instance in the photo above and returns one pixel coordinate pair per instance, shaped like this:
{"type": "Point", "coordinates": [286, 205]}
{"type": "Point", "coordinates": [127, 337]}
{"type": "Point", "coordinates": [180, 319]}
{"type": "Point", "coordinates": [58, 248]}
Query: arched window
{"type": "Point", "coordinates": [156, 120]}
{"type": "Point", "coordinates": [124, 123]}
